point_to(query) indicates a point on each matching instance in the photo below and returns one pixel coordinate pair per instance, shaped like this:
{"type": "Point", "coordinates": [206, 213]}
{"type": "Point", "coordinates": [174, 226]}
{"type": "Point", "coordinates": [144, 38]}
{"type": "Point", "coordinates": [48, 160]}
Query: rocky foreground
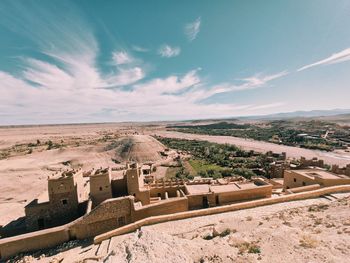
{"type": "Point", "coordinates": [316, 230]}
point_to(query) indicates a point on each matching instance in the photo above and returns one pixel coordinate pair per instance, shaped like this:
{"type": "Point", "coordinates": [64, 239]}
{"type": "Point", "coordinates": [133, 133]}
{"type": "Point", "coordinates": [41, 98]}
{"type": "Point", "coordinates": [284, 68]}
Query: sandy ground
{"type": "Point", "coordinates": [338, 157]}
{"type": "Point", "coordinates": [314, 230]}
{"type": "Point", "coordinates": [24, 176]}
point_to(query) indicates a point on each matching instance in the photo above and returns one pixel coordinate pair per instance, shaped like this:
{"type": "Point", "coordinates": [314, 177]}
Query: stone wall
{"type": "Point", "coordinates": [196, 201]}
{"type": "Point", "coordinates": [100, 188]}
{"type": "Point", "coordinates": [33, 241]}
{"type": "Point", "coordinates": [54, 236]}
{"type": "Point", "coordinates": [108, 215]}
{"type": "Point", "coordinates": [119, 187]}
{"type": "Point", "coordinates": [169, 206]}
{"type": "Point", "coordinates": [303, 189]}
{"type": "Point", "coordinates": [220, 209]}
{"type": "Point", "coordinates": [244, 194]}
{"type": "Point", "coordinates": [160, 191]}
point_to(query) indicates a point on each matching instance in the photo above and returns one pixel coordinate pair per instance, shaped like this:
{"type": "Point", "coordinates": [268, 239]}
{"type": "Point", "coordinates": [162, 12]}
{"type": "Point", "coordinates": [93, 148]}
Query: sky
{"type": "Point", "coordinates": [109, 61]}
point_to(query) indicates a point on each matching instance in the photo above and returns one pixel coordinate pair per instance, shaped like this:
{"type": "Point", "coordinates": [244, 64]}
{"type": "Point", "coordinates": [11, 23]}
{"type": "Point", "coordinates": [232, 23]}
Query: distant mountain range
{"type": "Point", "coordinates": [300, 114]}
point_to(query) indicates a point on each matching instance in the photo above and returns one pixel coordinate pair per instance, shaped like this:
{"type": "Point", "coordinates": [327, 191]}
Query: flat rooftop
{"type": "Point", "coordinates": [232, 187]}
{"type": "Point", "coordinates": [312, 173]}
{"type": "Point", "coordinates": [193, 189]}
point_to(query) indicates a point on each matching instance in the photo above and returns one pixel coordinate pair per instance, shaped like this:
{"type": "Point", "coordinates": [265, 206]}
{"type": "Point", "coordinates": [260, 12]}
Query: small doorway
{"type": "Point", "coordinates": [205, 202]}
{"type": "Point", "coordinates": [41, 223]}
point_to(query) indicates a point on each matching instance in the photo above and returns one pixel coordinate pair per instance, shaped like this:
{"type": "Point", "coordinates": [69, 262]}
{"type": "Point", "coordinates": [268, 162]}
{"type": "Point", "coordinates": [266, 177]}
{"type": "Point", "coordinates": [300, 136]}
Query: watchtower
{"type": "Point", "coordinates": [100, 186]}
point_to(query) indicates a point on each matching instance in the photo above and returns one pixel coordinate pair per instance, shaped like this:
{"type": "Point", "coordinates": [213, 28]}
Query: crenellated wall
{"type": "Point", "coordinates": [103, 218]}
{"type": "Point", "coordinates": [220, 209]}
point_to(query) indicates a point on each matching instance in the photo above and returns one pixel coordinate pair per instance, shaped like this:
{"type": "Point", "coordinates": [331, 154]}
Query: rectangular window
{"type": "Point", "coordinates": [64, 201]}
{"type": "Point", "coordinates": [295, 180]}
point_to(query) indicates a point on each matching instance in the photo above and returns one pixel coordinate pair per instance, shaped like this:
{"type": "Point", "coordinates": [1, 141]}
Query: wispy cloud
{"type": "Point", "coordinates": [121, 57]}
{"type": "Point", "coordinates": [169, 51]}
{"type": "Point", "coordinates": [339, 57]}
{"type": "Point", "coordinates": [139, 49]}
{"type": "Point", "coordinates": [253, 82]}
{"type": "Point", "coordinates": [192, 29]}
{"type": "Point", "coordinates": [66, 84]}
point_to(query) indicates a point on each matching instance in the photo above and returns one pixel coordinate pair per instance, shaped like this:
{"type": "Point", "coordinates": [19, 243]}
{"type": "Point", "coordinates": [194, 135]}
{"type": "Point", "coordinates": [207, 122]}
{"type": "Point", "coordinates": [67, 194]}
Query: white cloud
{"type": "Point", "coordinates": [169, 85]}
{"type": "Point", "coordinates": [70, 86]}
{"type": "Point", "coordinates": [339, 57]}
{"type": "Point", "coordinates": [253, 82]}
{"type": "Point", "coordinates": [192, 29]}
{"type": "Point", "coordinates": [121, 57]}
{"type": "Point", "coordinates": [139, 49]}
{"type": "Point", "coordinates": [125, 77]}
{"type": "Point", "coordinates": [168, 51]}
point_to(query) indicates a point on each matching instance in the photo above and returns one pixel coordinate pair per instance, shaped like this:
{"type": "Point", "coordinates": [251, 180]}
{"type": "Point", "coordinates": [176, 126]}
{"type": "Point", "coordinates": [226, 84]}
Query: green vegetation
{"type": "Point", "coordinates": [214, 160]}
{"type": "Point", "coordinates": [306, 134]}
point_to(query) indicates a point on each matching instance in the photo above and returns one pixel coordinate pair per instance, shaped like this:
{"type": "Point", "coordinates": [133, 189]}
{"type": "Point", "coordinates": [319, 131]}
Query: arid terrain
{"type": "Point", "coordinates": [24, 172]}
{"type": "Point", "coordinates": [304, 231]}
{"type": "Point", "coordinates": [27, 163]}
{"type": "Point", "coordinates": [314, 230]}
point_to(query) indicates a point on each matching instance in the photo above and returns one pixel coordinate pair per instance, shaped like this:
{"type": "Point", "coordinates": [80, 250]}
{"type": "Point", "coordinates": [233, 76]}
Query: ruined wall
{"type": "Point", "coordinates": [108, 215]}
{"type": "Point", "coordinates": [169, 206]}
{"type": "Point", "coordinates": [33, 241]}
{"type": "Point", "coordinates": [244, 194]}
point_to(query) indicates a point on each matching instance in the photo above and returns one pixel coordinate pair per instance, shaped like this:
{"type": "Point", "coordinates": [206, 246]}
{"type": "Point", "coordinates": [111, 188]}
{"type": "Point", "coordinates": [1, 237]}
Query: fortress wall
{"type": "Point", "coordinates": [119, 187]}
{"type": "Point", "coordinates": [104, 217]}
{"type": "Point", "coordinates": [108, 215]}
{"type": "Point", "coordinates": [303, 189]}
{"type": "Point", "coordinates": [246, 194]}
{"type": "Point", "coordinates": [161, 190]}
{"type": "Point", "coordinates": [220, 209]}
{"type": "Point", "coordinates": [196, 201]}
{"type": "Point", "coordinates": [169, 206]}
{"type": "Point", "coordinates": [333, 182]}
{"type": "Point", "coordinates": [33, 241]}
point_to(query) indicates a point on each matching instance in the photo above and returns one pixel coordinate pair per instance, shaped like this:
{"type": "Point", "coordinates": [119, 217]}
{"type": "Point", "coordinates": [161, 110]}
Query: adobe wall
{"type": "Point", "coordinates": [33, 241]}
{"type": "Point", "coordinates": [119, 187]}
{"type": "Point", "coordinates": [100, 188]}
{"type": "Point", "coordinates": [220, 209]}
{"type": "Point", "coordinates": [246, 194]}
{"type": "Point", "coordinates": [332, 182]}
{"type": "Point", "coordinates": [103, 218]}
{"type": "Point", "coordinates": [169, 206]}
{"type": "Point", "coordinates": [290, 175]}
{"type": "Point", "coordinates": [161, 190]}
{"type": "Point", "coordinates": [303, 189]}
{"type": "Point", "coordinates": [52, 214]}
{"type": "Point", "coordinates": [196, 201]}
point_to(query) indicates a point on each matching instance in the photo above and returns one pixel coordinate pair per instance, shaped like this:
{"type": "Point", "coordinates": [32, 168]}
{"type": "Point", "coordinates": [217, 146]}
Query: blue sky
{"type": "Point", "coordinates": [97, 61]}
